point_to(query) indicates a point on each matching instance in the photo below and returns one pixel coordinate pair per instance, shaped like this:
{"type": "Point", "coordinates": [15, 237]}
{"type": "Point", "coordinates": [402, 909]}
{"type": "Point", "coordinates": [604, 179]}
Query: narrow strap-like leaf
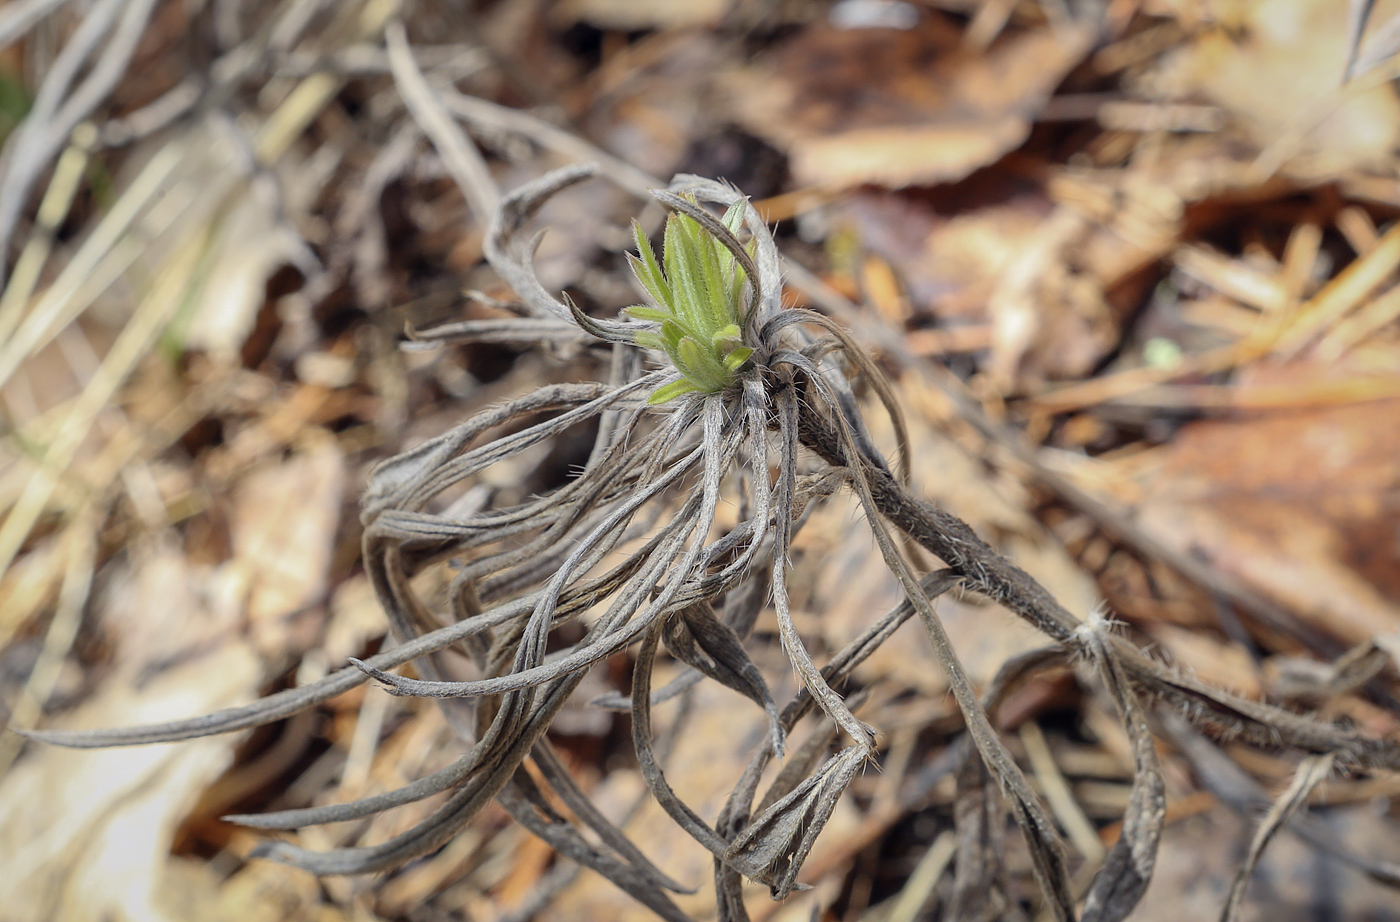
{"type": "Point", "coordinates": [1127, 869]}
{"type": "Point", "coordinates": [701, 640]}
{"type": "Point", "coordinates": [1311, 772]}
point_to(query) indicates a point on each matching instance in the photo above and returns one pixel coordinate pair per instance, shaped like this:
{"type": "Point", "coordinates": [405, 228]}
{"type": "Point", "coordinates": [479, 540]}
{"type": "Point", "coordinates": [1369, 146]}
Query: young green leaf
{"type": "Point", "coordinates": [697, 288]}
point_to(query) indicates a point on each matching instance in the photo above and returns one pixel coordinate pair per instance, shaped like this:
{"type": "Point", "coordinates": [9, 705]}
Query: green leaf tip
{"type": "Point", "coordinates": [696, 290]}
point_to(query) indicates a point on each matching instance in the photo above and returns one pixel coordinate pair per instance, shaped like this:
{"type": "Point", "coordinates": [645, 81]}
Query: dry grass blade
{"type": "Point", "coordinates": [1059, 796]}
{"type": "Point", "coordinates": [1384, 43]}
{"type": "Point", "coordinates": [1311, 772]}
{"type": "Point", "coordinates": [463, 160]}
{"type": "Point", "coordinates": [58, 639]}
{"type": "Point", "coordinates": [927, 873]}
{"type": "Point", "coordinates": [17, 18]}
{"type": "Point", "coordinates": [100, 259]}
{"type": "Point", "coordinates": [114, 27]}
{"type": "Point", "coordinates": [53, 209]}
{"type": "Point", "coordinates": [1358, 14]}
{"type": "Point", "coordinates": [1234, 787]}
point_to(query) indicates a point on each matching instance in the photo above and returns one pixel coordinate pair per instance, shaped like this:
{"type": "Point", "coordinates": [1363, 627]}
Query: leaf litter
{"type": "Point", "coordinates": [1171, 340]}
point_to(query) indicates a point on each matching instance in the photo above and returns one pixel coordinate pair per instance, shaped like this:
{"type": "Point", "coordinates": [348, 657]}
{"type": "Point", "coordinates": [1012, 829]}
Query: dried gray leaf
{"type": "Point", "coordinates": [1127, 869]}
{"type": "Point", "coordinates": [1311, 772]}
{"type": "Point", "coordinates": [701, 640]}
{"type": "Point", "coordinates": [771, 850]}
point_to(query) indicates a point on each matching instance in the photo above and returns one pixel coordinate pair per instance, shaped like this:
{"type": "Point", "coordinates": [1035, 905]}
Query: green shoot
{"type": "Point", "coordinates": [697, 298]}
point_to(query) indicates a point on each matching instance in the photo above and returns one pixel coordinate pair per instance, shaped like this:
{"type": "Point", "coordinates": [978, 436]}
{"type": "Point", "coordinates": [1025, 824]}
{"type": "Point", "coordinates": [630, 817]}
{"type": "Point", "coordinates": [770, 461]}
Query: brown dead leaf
{"type": "Point", "coordinates": [1298, 504]}
{"type": "Point", "coordinates": [1135, 215]}
{"type": "Point", "coordinates": [1008, 277]}
{"type": "Point", "coordinates": [84, 834]}
{"type": "Point", "coordinates": [652, 99]}
{"type": "Point", "coordinates": [283, 525]}
{"type": "Point", "coordinates": [256, 242]}
{"type": "Point", "coordinates": [258, 892]}
{"type": "Point", "coordinates": [1278, 74]}
{"type": "Point", "coordinates": [355, 617]}
{"type": "Point", "coordinates": [898, 107]}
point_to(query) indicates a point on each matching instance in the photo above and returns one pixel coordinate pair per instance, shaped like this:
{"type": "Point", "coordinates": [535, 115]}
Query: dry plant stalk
{"type": "Point", "coordinates": [747, 385]}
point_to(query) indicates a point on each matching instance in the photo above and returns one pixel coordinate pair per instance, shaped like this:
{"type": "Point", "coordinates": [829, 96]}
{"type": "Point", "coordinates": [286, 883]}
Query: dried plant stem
{"type": "Point", "coordinates": [463, 160]}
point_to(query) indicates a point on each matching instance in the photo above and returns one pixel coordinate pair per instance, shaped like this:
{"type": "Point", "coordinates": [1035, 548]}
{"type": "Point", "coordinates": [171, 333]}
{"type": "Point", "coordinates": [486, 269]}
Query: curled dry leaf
{"type": "Point", "coordinates": [773, 846]}
{"type": "Point", "coordinates": [1128, 868]}
{"type": "Point", "coordinates": [1312, 772]}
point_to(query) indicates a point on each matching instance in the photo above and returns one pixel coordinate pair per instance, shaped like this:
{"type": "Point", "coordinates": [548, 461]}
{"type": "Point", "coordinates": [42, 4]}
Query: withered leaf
{"type": "Point", "coordinates": [703, 641]}
{"type": "Point", "coordinates": [771, 850]}
{"type": "Point", "coordinates": [1127, 870]}
{"type": "Point", "coordinates": [1311, 772]}
{"type": "Point", "coordinates": [901, 106]}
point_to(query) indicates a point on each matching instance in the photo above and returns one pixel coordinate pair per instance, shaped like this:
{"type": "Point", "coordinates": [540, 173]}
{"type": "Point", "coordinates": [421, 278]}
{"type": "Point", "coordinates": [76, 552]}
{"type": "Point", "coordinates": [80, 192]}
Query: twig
{"type": "Point", "coordinates": [463, 160]}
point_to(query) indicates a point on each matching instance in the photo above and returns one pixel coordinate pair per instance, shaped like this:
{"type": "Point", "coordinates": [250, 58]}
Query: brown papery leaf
{"type": "Point", "coordinates": [1295, 504]}
{"type": "Point", "coordinates": [898, 107]}
{"type": "Point", "coordinates": [1279, 78]}
{"type": "Point", "coordinates": [284, 526]}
